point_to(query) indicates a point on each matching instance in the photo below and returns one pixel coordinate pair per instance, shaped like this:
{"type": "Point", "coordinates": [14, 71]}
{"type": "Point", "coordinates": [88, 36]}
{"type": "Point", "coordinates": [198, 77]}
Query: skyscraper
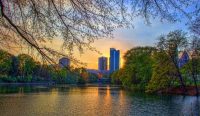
{"type": "Point", "coordinates": [64, 62]}
{"type": "Point", "coordinates": [103, 63]}
{"type": "Point", "coordinates": [114, 59]}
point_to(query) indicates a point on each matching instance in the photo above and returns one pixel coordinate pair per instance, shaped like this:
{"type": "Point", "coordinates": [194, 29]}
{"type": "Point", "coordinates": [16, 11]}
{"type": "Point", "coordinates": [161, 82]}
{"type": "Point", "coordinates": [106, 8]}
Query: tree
{"type": "Point", "coordinates": [195, 60]}
{"type": "Point", "coordinates": [137, 70]}
{"type": "Point", "coordinates": [62, 75]}
{"type": "Point", "coordinates": [26, 65]}
{"type": "Point", "coordinates": [195, 26]}
{"type": "Point", "coordinates": [117, 76]}
{"type": "Point", "coordinates": [14, 69]}
{"type": "Point", "coordinates": [163, 75]}
{"type": "Point", "coordinates": [5, 62]}
{"type": "Point", "coordinates": [92, 78]}
{"type": "Point", "coordinates": [193, 67]}
{"type": "Point", "coordinates": [44, 72]}
{"type": "Point", "coordinates": [78, 23]}
{"type": "Point", "coordinates": [170, 44]}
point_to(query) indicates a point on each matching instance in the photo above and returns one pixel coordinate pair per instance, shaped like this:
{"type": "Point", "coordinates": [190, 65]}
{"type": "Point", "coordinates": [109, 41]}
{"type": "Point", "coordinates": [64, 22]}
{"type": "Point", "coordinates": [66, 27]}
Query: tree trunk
{"type": "Point", "coordinates": [196, 87]}
{"type": "Point", "coordinates": [175, 62]}
{"type": "Point", "coordinates": [194, 74]}
{"type": "Point", "coordinates": [182, 82]}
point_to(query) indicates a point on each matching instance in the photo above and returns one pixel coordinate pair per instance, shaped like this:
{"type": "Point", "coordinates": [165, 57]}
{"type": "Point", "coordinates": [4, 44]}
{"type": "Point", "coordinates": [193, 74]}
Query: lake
{"type": "Point", "coordinates": [107, 100]}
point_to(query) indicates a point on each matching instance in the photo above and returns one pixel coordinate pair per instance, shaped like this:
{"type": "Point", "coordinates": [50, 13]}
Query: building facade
{"type": "Point", "coordinates": [114, 60]}
{"type": "Point", "coordinates": [64, 62]}
{"type": "Point", "coordinates": [183, 59]}
{"type": "Point", "coordinates": [102, 63]}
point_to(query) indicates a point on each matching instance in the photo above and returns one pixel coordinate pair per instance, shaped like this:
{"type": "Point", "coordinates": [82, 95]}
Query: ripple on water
{"type": "Point", "coordinates": [91, 101]}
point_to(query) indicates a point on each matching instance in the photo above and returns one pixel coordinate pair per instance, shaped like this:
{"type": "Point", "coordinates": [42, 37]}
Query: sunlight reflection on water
{"type": "Point", "coordinates": [91, 101]}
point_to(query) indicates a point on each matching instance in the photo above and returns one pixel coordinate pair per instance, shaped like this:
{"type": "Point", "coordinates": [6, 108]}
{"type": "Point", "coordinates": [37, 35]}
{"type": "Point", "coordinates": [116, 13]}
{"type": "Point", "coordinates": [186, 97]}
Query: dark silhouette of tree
{"type": "Point", "coordinates": [77, 22]}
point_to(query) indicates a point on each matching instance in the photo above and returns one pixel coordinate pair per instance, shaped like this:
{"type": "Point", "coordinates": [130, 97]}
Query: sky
{"type": "Point", "coordinates": [127, 38]}
{"type": "Point", "coordinates": [124, 39]}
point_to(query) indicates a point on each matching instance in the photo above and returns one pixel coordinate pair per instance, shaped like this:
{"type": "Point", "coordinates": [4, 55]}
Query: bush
{"type": "Point", "coordinates": [27, 79]}
{"type": "Point", "coordinates": [8, 79]}
{"type": "Point", "coordinates": [92, 78]}
{"type": "Point", "coordinates": [71, 79]}
{"type": "Point", "coordinates": [81, 80]}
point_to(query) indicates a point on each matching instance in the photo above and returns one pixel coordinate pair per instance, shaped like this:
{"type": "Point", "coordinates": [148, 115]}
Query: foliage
{"type": "Point", "coordinates": [166, 69]}
{"type": "Point", "coordinates": [188, 71]}
{"type": "Point", "coordinates": [23, 79]}
{"type": "Point", "coordinates": [78, 22]}
{"type": "Point", "coordinates": [150, 69]}
{"type": "Point", "coordinates": [14, 68]}
{"type": "Point", "coordinates": [117, 76]}
{"type": "Point", "coordinates": [195, 26]}
{"type": "Point", "coordinates": [81, 80]}
{"type": "Point", "coordinates": [137, 70]}
{"type": "Point", "coordinates": [8, 79]}
{"type": "Point", "coordinates": [26, 64]}
{"type": "Point", "coordinates": [163, 73]}
{"type": "Point", "coordinates": [5, 62]}
{"type": "Point", "coordinates": [24, 68]}
{"type": "Point", "coordinates": [171, 44]}
{"type": "Point", "coordinates": [92, 78]}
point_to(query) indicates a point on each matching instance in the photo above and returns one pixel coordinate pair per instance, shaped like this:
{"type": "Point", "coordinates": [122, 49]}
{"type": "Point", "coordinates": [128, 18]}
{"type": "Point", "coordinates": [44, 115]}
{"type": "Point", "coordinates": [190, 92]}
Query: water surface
{"type": "Point", "coordinates": [91, 101]}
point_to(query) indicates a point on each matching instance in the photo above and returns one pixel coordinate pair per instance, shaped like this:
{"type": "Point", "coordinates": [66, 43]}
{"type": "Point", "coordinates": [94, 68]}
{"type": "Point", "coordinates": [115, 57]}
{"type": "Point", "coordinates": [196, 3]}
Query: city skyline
{"type": "Point", "coordinates": [114, 61]}
{"type": "Point", "coordinates": [125, 39]}
{"type": "Point", "coordinates": [100, 57]}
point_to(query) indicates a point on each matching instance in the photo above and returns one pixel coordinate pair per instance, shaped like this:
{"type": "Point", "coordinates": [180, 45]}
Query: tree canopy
{"type": "Point", "coordinates": [163, 73]}
{"type": "Point", "coordinates": [137, 70]}
{"type": "Point", "coordinates": [158, 70]}
{"type": "Point", "coordinates": [5, 62]}
{"type": "Point", "coordinates": [78, 22]}
{"type": "Point", "coordinates": [171, 44]}
{"type": "Point", "coordinates": [26, 64]}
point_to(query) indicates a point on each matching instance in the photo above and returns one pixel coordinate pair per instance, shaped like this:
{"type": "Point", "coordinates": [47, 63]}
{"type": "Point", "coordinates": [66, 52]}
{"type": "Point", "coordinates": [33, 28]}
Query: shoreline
{"type": "Point", "coordinates": [190, 91]}
{"type": "Point", "coordinates": [169, 91]}
{"type": "Point", "coordinates": [61, 84]}
{"type": "Point", "coordinates": [39, 83]}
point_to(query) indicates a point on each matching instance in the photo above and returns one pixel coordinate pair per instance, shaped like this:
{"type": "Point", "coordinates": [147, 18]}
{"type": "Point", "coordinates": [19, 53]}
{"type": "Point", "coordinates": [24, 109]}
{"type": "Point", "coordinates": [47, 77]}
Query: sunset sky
{"type": "Point", "coordinates": [125, 39]}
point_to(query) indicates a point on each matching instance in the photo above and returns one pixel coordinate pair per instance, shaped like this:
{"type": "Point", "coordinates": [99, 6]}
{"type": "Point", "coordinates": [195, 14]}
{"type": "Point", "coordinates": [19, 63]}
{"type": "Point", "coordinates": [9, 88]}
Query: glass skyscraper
{"type": "Point", "coordinates": [102, 64]}
{"type": "Point", "coordinates": [114, 59]}
{"type": "Point", "coordinates": [64, 62]}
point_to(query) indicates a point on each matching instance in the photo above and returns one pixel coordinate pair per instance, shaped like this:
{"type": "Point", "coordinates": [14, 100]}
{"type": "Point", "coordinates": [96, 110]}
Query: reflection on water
{"type": "Point", "coordinates": [91, 101]}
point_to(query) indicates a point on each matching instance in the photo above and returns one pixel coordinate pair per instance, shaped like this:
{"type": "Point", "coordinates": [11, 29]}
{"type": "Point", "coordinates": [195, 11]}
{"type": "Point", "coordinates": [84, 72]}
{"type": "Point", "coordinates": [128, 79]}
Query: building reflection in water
{"type": "Point", "coordinates": [91, 101]}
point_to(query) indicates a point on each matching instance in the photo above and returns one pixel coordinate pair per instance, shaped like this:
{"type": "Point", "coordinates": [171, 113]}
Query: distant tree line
{"type": "Point", "coordinates": [152, 69]}
{"type": "Point", "coordinates": [23, 68]}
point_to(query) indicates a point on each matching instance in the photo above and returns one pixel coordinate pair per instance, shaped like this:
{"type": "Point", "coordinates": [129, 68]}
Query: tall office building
{"type": "Point", "coordinates": [103, 63]}
{"type": "Point", "coordinates": [114, 59]}
{"type": "Point", "coordinates": [64, 62]}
